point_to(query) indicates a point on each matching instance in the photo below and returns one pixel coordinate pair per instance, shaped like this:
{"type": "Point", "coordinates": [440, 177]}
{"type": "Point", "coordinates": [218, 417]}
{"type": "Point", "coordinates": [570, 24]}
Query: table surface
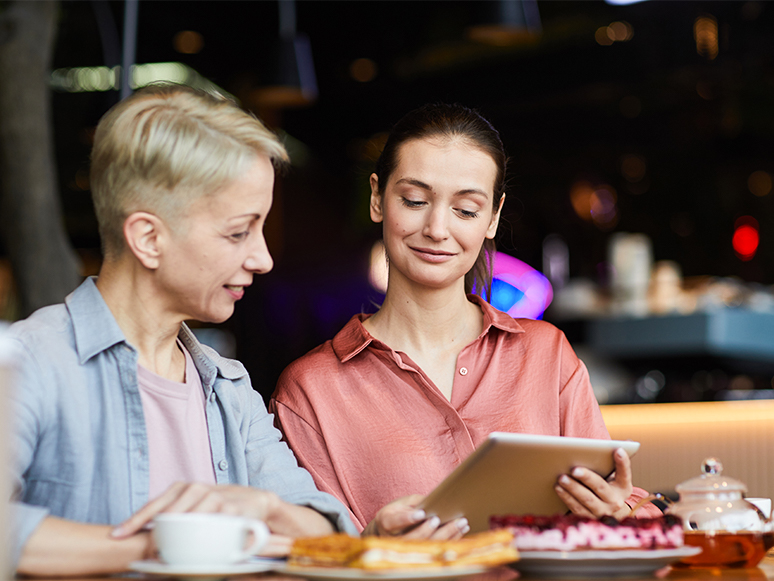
{"type": "Point", "coordinates": [764, 572]}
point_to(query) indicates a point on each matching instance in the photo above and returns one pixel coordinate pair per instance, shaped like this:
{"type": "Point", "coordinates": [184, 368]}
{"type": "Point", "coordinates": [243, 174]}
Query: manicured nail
{"type": "Point", "coordinates": [462, 524]}
{"type": "Point", "coordinates": [418, 515]}
{"type": "Point", "coordinates": [621, 453]}
{"type": "Point", "coordinates": [577, 472]}
{"type": "Point", "coordinates": [117, 532]}
{"type": "Point", "coordinates": [435, 522]}
{"type": "Point", "coordinates": [563, 479]}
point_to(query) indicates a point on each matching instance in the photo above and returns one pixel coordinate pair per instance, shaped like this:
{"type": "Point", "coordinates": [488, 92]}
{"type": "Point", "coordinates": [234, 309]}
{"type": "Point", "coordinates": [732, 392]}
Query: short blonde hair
{"type": "Point", "coordinates": [165, 146]}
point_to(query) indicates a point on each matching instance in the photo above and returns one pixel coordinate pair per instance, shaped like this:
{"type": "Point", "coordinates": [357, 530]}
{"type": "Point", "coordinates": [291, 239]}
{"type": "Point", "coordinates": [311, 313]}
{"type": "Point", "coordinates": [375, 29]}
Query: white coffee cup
{"type": "Point", "coordinates": [206, 539]}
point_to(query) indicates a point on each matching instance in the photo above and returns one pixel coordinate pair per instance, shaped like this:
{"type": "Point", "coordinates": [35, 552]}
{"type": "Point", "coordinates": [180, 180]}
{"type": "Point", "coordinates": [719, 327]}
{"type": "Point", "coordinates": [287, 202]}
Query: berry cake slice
{"type": "Point", "coordinates": [574, 533]}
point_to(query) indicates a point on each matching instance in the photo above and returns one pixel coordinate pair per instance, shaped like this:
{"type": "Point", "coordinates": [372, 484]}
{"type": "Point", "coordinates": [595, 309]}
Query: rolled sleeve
{"type": "Point", "coordinates": [274, 467]}
{"type": "Point", "coordinates": [25, 518]}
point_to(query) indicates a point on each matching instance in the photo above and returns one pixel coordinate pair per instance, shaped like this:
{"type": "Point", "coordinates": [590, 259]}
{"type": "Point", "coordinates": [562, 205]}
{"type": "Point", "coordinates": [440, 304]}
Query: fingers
{"type": "Point", "coordinates": [452, 531]}
{"type": "Point", "coordinates": [276, 546]}
{"type": "Point", "coordinates": [143, 516]}
{"type": "Point", "coordinates": [623, 469]}
{"type": "Point", "coordinates": [180, 497]}
{"type": "Point", "coordinates": [400, 515]}
{"type": "Point", "coordinates": [587, 494]}
{"type": "Point", "coordinates": [432, 529]}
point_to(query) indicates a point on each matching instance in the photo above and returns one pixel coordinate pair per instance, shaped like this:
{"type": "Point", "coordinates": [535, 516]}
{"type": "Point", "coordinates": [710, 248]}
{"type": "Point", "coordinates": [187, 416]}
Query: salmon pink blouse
{"type": "Point", "coordinates": [371, 427]}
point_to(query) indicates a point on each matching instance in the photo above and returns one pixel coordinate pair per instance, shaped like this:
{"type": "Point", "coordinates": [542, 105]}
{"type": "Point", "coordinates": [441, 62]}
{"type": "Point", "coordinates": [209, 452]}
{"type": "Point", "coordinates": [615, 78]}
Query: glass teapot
{"type": "Point", "coordinates": [731, 531]}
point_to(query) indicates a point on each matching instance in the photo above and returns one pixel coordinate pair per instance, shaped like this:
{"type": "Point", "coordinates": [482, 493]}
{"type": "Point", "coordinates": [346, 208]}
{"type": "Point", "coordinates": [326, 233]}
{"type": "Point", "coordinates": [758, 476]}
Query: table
{"type": "Point", "coordinates": [764, 572]}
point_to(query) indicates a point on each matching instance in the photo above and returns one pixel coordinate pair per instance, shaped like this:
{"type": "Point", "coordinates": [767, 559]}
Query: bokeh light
{"type": "Point", "coordinates": [633, 167]}
{"type": "Point", "coordinates": [595, 203]}
{"type": "Point", "coordinates": [614, 32]}
{"type": "Point", "coordinates": [363, 70]}
{"type": "Point", "coordinates": [746, 238]}
{"type": "Point", "coordinates": [759, 183]}
{"type": "Point", "coordinates": [705, 32]}
{"type": "Point", "coordinates": [188, 42]}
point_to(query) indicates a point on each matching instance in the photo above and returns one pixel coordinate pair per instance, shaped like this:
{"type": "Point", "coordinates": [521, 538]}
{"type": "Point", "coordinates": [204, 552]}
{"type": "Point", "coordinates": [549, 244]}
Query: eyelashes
{"type": "Point", "coordinates": [418, 204]}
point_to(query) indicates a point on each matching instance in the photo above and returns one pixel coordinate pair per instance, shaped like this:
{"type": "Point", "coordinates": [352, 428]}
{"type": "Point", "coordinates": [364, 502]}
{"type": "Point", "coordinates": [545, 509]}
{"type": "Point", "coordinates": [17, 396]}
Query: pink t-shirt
{"type": "Point", "coordinates": [175, 420]}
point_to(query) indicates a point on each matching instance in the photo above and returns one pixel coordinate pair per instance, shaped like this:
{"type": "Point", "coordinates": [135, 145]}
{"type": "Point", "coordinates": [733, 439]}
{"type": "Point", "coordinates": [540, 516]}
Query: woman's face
{"type": "Point", "coordinates": [436, 209]}
{"type": "Point", "coordinates": [212, 256]}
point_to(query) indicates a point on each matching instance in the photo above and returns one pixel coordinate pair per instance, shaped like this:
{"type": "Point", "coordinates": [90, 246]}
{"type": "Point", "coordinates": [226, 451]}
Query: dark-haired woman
{"type": "Point", "coordinates": [398, 399]}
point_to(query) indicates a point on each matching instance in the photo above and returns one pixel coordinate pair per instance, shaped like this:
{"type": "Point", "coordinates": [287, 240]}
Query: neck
{"type": "Point", "coordinates": [130, 293]}
{"type": "Point", "coordinates": [419, 318]}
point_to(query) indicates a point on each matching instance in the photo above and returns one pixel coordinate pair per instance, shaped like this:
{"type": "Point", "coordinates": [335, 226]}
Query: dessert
{"type": "Point", "coordinates": [575, 533]}
{"type": "Point", "coordinates": [380, 553]}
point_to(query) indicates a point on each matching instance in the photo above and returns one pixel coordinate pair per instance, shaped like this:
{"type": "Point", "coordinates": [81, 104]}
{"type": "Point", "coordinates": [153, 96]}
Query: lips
{"type": "Point", "coordinates": [236, 291]}
{"type": "Point", "coordinates": [433, 255]}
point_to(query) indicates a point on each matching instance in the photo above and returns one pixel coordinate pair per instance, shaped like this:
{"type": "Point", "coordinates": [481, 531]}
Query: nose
{"type": "Point", "coordinates": [436, 225]}
{"type": "Point", "coordinates": [258, 259]}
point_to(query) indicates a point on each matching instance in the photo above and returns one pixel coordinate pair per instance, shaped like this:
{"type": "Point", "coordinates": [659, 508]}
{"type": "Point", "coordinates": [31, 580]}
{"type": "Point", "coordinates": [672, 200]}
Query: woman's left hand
{"type": "Point", "coordinates": [586, 493]}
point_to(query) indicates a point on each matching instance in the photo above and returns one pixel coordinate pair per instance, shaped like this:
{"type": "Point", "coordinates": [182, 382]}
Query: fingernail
{"type": "Point", "coordinates": [558, 489]}
{"type": "Point", "coordinates": [463, 525]}
{"type": "Point", "coordinates": [418, 515]}
{"type": "Point", "coordinates": [435, 522]}
{"type": "Point", "coordinates": [117, 532]}
{"type": "Point", "coordinates": [621, 453]}
{"type": "Point", "coordinates": [577, 472]}
{"type": "Point", "coordinates": [563, 479]}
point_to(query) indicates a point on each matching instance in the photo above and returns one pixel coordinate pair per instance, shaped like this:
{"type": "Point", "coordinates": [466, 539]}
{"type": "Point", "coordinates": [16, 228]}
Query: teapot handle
{"type": "Point", "coordinates": [650, 498]}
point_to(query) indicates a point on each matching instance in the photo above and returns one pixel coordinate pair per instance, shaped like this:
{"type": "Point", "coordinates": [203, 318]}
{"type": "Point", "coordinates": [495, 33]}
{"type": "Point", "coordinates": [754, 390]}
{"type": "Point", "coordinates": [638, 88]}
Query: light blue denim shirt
{"type": "Point", "coordinates": [80, 443]}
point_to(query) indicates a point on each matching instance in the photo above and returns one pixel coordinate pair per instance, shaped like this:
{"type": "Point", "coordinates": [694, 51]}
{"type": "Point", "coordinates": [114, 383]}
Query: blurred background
{"type": "Point", "coordinates": [640, 177]}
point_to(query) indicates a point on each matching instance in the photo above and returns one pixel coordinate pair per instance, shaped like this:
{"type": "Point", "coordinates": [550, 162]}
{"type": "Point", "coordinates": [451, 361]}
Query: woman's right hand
{"type": "Point", "coordinates": [401, 518]}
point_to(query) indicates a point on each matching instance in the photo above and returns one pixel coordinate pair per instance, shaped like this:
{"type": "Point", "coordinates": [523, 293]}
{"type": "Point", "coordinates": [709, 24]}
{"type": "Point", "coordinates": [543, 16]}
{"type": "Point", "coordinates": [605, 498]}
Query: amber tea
{"type": "Point", "coordinates": [726, 549]}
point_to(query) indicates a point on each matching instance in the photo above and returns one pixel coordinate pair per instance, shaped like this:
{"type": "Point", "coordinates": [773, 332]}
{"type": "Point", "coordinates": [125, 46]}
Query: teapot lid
{"type": "Point", "coordinates": [711, 480]}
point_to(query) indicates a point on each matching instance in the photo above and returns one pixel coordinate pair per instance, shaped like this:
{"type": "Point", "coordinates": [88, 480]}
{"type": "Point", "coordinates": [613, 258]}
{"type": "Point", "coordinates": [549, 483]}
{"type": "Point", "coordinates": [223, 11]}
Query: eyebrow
{"type": "Point", "coordinates": [422, 185]}
{"type": "Point", "coordinates": [250, 215]}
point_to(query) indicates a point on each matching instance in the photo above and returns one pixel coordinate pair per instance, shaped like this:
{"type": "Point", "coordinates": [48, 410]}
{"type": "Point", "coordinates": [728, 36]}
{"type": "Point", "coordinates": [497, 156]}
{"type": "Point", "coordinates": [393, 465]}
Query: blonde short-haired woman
{"type": "Point", "coordinates": [120, 412]}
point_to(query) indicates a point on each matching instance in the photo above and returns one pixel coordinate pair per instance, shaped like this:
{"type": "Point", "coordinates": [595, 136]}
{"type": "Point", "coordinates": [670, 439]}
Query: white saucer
{"type": "Point", "coordinates": [352, 574]}
{"type": "Point", "coordinates": [204, 572]}
{"type": "Point", "coordinates": [596, 564]}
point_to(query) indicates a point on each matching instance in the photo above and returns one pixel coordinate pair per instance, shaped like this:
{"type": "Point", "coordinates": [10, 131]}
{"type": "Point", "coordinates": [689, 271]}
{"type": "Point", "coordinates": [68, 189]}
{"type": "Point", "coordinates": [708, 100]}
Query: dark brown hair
{"type": "Point", "coordinates": [451, 122]}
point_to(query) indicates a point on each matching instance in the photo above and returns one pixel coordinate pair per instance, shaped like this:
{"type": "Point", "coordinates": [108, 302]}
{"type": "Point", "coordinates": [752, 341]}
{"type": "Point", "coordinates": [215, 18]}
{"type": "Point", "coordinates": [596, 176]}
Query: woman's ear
{"type": "Point", "coordinates": [142, 231]}
{"type": "Point", "coordinates": [376, 200]}
{"type": "Point", "coordinates": [492, 230]}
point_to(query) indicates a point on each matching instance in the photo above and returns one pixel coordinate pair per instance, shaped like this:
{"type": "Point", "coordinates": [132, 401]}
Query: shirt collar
{"type": "Point", "coordinates": [94, 326]}
{"type": "Point", "coordinates": [96, 330]}
{"type": "Point", "coordinates": [353, 338]}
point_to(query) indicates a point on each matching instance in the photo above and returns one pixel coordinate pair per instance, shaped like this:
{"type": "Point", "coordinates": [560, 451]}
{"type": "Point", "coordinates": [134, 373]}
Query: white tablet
{"type": "Point", "coordinates": [516, 474]}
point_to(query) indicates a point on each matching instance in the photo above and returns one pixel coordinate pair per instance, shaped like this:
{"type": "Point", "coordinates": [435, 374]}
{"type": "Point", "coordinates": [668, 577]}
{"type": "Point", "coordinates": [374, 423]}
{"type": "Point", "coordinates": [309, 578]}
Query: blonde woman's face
{"type": "Point", "coordinates": [212, 259]}
{"type": "Point", "coordinates": [437, 210]}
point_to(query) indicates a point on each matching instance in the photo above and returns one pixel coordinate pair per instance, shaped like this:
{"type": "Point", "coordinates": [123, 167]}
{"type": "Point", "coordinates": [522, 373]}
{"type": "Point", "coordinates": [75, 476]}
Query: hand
{"type": "Point", "coordinates": [196, 497]}
{"type": "Point", "coordinates": [277, 546]}
{"type": "Point", "coordinates": [402, 518]}
{"type": "Point", "coordinates": [586, 493]}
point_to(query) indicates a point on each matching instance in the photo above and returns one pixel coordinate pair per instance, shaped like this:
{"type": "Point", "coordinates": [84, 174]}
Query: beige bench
{"type": "Point", "coordinates": [677, 437]}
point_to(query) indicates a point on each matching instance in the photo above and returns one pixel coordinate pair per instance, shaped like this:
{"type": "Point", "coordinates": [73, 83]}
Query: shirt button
{"type": "Point", "coordinates": [463, 370]}
{"type": "Point", "coordinates": [223, 465]}
{"type": "Point", "coordinates": [212, 397]}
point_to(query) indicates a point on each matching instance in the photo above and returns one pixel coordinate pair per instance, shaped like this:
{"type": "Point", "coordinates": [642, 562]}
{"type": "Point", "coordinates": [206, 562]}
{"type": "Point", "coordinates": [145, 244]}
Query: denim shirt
{"type": "Point", "coordinates": [80, 446]}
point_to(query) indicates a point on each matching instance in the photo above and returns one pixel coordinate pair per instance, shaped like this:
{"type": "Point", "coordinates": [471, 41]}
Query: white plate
{"type": "Point", "coordinates": [203, 572]}
{"type": "Point", "coordinates": [438, 574]}
{"type": "Point", "coordinates": [599, 563]}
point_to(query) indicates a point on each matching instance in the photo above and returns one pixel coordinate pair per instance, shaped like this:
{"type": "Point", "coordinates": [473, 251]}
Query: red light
{"type": "Point", "coordinates": [745, 241]}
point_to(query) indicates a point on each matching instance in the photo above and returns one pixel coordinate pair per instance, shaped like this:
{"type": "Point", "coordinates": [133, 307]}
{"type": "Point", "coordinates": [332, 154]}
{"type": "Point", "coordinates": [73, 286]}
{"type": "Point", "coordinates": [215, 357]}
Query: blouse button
{"type": "Point", "coordinates": [223, 465]}
{"type": "Point", "coordinates": [463, 370]}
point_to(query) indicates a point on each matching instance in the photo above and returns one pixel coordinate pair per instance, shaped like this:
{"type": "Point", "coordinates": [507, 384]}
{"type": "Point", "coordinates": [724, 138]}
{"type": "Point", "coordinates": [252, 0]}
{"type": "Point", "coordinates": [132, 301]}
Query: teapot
{"type": "Point", "coordinates": [731, 531]}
